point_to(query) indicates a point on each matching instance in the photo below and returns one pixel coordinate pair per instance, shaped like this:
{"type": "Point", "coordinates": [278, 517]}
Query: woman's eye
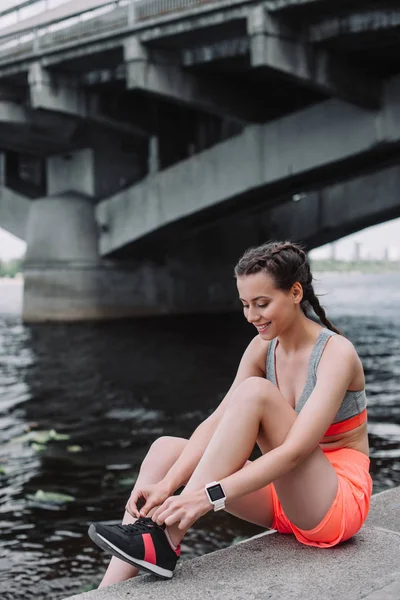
{"type": "Point", "coordinates": [245, 306]}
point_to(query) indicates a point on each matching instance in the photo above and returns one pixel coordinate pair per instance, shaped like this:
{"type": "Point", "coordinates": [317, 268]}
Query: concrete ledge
{"type": "Point", "coordinates": [277, 566]}
{"type": "Point", "coordinates": [385, 511]}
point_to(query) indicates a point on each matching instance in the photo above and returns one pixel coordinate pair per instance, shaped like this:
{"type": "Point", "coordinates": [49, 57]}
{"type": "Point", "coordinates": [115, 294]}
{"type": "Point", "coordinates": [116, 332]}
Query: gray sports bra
{"type": "Point", "coordinates": [354, 402]}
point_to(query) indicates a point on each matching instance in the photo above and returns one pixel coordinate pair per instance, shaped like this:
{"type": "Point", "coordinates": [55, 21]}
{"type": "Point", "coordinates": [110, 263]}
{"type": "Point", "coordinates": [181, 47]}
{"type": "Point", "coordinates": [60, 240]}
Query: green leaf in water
{"type": "Point", "coordinates": [39, 437]}
{"type": "Point", "coordinates": [2, 470]}
{"type": "Point", "coordinates": [38, 447]}
{"type": "Point", "coordinates": [74, 448]}
{"type": "Point", "coordinates": [128, 481]}
{"type": "Point", "coordinates": [58, 436]}
{"type": "Point", "coordinates": [50, 497]}
{"type": "Point", "coordinates": [42, 437]}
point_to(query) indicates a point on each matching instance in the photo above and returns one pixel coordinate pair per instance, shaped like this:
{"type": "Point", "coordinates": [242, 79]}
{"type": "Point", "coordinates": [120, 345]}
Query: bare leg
{"type": "Point", "coordinates": [256, 507]}
{"type": "Point", "coordinates": [162, 455]}
{"type": "Point", "coordinates": [258, 412]}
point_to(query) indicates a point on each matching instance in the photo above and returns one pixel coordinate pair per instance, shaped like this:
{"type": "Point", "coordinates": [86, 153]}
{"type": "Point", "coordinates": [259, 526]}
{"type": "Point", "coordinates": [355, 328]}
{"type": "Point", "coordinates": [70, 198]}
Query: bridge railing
{"type": "Point", "coordinates": [147, 9]}
{"type": "Point", "coordinates": [109, 17]}
{"type": "Point", "coordinates": [113, 17]}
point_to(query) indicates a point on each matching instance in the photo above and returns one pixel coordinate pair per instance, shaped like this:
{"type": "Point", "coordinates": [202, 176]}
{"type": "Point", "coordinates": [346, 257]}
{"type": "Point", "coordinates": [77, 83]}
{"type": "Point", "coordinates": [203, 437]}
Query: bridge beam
{"type": "Point", "coordinates": [214, 51]}
{"type": "Point", "coordinates": [156, 73]}
{"type": "Point", "coordinates": [65, 94]}
{"type": "Point", "coordinates": [322, 216]}
{"type": "Point", "coordinates": [12, 113]}
{"type": "Point", "coordinates": [278, 47]}
{"type": "Point", "coordinates": [312, 145]}
{"type": "Point", "coordinates": [27, 131]}
{"type": "Point", "coordinates": [357, 23]}
{"type": "Point", "coordinates": [306, 5]}
{"type": "Point", "coordinates": [59, 93]}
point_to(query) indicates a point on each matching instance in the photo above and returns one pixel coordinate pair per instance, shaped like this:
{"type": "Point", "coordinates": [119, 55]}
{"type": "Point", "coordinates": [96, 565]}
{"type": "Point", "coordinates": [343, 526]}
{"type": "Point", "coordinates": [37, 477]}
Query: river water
{"type": "Point", "coordinates": [113, 388]}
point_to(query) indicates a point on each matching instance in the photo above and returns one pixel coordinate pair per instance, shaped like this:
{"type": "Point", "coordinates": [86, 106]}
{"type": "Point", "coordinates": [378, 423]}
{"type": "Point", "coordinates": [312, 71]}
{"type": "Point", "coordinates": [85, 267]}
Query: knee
{"type": "Point", "coordinates": [256, 390]}
{"type": "Point", "coordinates": [167, 445]}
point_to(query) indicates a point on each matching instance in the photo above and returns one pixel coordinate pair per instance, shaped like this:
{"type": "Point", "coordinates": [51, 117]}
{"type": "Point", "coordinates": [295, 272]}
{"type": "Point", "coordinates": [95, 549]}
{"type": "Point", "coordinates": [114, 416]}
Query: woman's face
{"type": "Point", "coordinates": [269, 309]}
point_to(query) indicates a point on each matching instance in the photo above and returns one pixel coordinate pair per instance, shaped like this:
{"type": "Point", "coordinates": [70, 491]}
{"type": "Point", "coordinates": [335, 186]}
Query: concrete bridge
{"type": "Point", "coordinates": [144, 145]}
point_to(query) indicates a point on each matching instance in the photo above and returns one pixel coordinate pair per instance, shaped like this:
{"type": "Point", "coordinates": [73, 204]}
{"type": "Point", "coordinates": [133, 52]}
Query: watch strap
{"type": "Point", "coordinates": [219, 504]}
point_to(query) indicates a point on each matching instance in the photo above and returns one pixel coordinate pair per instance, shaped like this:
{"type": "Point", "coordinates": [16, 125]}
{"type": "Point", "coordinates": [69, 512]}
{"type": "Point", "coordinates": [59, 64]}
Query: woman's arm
{"type": "Point", "coordinates": [252, 364]}
{"type": "Point", "coordinates": [335, 372]}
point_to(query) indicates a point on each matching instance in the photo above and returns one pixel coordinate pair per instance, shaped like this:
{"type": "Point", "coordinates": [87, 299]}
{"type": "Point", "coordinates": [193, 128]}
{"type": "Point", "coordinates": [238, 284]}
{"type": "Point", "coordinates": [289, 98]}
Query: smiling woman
{"type": "Point", "coordinates": [299, 394]}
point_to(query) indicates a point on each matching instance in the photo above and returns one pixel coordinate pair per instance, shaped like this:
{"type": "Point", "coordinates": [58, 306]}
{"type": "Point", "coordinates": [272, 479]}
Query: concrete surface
{"type": "Point", "coordinates": [14, 212]}
{"type": "Point", "coordinates": [291, 146]}
{"type": "Point", "coordinates": [385, 512]}
{"type": "Point", "coordinates": [277, 566]}
{"type": "Point", "coordinates": [276, 46]}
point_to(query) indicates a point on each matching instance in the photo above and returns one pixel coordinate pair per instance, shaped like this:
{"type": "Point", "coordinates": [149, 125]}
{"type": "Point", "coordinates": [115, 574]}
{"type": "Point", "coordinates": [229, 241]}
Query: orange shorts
{"type": "Point", "coordinates": [350, 506]}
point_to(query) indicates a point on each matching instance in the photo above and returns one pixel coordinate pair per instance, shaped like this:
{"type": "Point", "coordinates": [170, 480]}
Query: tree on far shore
{"type": "Point", "coordinates": [11, 268]}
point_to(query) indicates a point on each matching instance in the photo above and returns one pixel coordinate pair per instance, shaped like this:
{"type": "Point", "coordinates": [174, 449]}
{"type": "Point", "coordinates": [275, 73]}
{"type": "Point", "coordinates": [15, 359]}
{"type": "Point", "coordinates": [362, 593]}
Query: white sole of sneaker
{"type": "Point", "coordinates": [136, 562]}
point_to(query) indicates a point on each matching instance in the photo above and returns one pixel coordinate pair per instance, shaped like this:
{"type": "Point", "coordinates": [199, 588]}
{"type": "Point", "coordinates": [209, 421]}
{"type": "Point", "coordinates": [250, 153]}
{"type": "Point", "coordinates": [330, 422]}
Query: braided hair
{"type": "Point", "coordinates": [287, 263]}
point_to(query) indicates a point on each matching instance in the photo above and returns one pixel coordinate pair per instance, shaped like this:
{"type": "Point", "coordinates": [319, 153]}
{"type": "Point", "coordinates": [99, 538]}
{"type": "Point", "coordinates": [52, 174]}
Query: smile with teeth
{"type": "Point", "coordinates": [264, 327]}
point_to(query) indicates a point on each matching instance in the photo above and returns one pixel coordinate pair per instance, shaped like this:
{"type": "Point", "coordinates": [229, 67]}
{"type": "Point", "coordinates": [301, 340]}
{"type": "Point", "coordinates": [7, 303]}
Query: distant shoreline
{"type": "Point", "coordinates": [361, 266]}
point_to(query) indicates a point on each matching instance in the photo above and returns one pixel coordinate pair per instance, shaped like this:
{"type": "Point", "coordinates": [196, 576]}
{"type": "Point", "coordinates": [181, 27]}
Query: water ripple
{"type": "Point", "coordinates": [112, 389]}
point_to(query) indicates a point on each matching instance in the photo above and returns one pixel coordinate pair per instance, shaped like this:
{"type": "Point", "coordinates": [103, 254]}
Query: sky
{"type": "Point", "coordinates": [372, 240]}
{"type": "Point", "coordinates": [10, 246]}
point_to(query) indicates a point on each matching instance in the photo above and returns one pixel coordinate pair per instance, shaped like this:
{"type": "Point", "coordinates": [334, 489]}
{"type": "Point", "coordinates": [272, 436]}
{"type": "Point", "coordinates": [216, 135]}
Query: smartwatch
{"type": "Point", "coordinates": [216, 495]}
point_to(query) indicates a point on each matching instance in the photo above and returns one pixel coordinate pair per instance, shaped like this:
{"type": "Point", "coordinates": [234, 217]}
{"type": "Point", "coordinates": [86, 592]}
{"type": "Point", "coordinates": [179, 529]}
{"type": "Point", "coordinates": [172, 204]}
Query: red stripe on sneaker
{"type": "Point", "coordinates": [149, 549]}
{"type": "Point", "coordinates": [178, 550]}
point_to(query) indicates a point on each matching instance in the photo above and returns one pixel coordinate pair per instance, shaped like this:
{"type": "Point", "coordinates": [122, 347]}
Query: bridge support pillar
{"type": "Point", "coordinates": [66, 279]}
{"type": "Point", "coordinates": [62, 264]}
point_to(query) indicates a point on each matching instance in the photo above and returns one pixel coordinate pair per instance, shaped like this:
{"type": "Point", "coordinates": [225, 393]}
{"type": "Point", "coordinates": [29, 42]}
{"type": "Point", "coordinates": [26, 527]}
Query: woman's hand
{"type": "Point", "coordinates": [150, 496]}
{"type": "Point", "coordinates": [184, 510]}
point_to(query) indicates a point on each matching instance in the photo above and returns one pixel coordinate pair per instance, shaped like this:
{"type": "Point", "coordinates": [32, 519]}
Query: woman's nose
{"type": "Point", "coordinates": [252, 316]}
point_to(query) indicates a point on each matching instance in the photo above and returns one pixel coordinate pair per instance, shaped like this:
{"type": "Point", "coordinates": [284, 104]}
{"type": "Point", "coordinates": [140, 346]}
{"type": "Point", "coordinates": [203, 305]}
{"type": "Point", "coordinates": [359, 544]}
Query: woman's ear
{"type": "Point", "coordinates": [297, 292]}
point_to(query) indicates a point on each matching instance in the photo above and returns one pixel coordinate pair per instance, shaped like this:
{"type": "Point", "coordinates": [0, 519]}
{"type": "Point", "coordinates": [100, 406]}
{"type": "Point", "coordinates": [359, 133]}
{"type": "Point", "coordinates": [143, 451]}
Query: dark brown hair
{"type": "Point", "coordinates": [287, 263]}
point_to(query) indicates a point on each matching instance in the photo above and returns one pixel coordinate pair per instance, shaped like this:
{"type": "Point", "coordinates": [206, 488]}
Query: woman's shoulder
{"type": "Point", "coordinates": [257, 351]}
{"type": "Point", "coordinates": [340, 347]}
{"type": "Point", "coordinates": [340, 343]}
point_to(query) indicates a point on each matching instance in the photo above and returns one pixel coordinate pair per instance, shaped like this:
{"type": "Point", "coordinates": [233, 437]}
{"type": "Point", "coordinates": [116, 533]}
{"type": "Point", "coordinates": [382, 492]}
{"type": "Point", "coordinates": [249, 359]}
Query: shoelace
{"type": "Point", "coordinates": [142, 525]}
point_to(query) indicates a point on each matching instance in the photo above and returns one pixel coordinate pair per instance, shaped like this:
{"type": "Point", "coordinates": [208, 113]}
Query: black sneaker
{"type": "Point", "coordinates": [143, 544]}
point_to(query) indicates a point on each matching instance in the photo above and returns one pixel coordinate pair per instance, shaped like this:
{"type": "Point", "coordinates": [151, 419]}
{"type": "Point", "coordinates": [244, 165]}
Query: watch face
{"type": "Point", "coordinates": [216, 492]}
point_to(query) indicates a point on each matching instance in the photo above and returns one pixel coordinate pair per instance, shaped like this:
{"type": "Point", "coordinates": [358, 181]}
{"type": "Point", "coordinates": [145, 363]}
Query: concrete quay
{"type": "Point", "coordinates": [272, 566]}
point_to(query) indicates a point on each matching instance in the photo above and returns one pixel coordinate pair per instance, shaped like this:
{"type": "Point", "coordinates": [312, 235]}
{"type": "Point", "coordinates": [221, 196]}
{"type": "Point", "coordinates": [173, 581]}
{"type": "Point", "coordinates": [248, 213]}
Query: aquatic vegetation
{"type": "Point", "coordinates": [52, 498]}
{"type": "Point", "coordinates": [74, 449]}
{"type": "Point", "coordinates": [128, 481]}
{"type": "Point", "coordinates": [38, 447]}
{"type": "Point", "coordinates": [39, 439]}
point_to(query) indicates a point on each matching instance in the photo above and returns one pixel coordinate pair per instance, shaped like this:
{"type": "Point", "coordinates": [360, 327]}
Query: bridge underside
{"type": "Point", "coordinates": [142, 152]}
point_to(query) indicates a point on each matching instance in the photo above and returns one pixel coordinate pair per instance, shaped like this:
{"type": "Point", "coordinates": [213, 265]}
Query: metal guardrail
{"type": "Point", "coordinates": [110, 17]}
{"type": "Point", "coordinates": [147, 9]}
{"type": "Point", "coordinates": [12, 7]}
{"type": "Point", "coordinates": [15, 5]}
{"type": "Point", "coordinates": [113, 17]}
